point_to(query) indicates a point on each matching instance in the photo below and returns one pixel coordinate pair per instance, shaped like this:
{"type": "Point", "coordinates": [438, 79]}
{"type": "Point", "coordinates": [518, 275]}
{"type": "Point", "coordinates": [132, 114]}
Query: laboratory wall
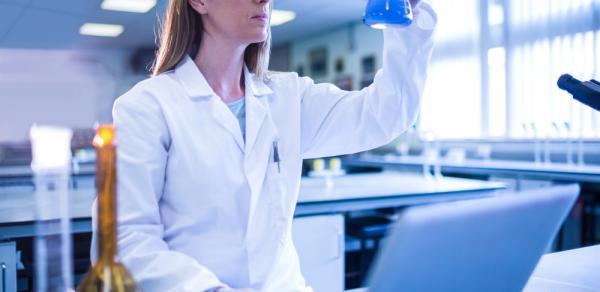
{"type": "Point", "coordinates": [77, 88]}
{"type": "Point", "coordinates": [59, 87]}
{"type": "Point", "coordinates": [351, 44]}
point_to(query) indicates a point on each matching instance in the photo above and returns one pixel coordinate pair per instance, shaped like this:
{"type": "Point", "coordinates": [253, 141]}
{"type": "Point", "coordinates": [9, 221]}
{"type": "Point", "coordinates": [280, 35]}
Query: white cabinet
{"type": "Point", "coordinates": [8, 267]}
{"type": "Point", "coordinates": [319, 241]}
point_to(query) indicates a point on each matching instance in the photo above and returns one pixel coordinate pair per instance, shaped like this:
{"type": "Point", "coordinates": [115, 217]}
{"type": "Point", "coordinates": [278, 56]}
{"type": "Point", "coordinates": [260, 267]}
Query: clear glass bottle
{"type": "Point", "coordinates": [51, 149]}
{"type": "Point", "coordinates": [107, 274]}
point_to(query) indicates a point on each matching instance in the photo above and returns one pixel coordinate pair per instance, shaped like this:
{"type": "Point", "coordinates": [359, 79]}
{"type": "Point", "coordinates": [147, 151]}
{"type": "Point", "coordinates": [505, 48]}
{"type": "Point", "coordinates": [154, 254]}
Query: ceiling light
{"type": "Point", "coordinates": [99, 29]}
{"type": "Point", "coordinates": [136, 6]}
{"type": "Point", "coordinates": [279, 17]}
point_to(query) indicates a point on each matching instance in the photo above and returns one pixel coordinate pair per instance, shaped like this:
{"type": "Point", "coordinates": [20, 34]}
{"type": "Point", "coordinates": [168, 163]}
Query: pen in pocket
{"type": "Point", "coordinates": [276, 157]}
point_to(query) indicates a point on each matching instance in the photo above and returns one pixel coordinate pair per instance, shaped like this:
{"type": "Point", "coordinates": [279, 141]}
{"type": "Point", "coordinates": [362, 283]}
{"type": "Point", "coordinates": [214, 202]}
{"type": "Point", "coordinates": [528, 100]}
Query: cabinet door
{"type": "Point", "coordinates": [8, 267]}
{"type": "Point", "coordinates": [319, 241]}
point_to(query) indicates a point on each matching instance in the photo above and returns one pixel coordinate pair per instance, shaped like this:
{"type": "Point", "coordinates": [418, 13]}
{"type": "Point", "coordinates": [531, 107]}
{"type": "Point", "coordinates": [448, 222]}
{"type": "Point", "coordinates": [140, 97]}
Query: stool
{"type": "Point", "coordinates": [367, 228]}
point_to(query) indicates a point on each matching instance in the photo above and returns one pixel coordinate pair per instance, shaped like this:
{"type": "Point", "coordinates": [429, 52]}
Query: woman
{"type": "Point", "coordinates": [207, 189]}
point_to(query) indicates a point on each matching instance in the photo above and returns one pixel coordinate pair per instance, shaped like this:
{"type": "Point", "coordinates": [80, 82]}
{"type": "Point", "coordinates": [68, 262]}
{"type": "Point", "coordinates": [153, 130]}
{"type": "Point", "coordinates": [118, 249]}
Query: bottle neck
{"type": "Point", "coordinates": [106, 182]}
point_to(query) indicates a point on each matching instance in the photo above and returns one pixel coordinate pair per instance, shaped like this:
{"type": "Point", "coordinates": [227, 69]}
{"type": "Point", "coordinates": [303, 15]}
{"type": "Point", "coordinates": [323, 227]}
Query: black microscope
{"type": "Point", "coordinates": [587, 92]}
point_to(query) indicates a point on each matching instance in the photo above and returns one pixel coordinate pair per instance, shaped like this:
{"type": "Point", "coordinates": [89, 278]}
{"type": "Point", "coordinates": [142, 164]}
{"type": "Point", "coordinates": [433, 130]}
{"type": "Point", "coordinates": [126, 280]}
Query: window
{"type": "Point", "coordinates": [547, 38]}
{"type": "Point", "coordinates": [452, 104]}
{"type": "Point", "coordinates": [496, 63]}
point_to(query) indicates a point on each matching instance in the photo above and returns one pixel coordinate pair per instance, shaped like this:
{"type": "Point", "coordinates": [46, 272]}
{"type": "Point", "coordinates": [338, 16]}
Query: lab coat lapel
{"type": "Point", "coordinates": [196, 86]}
{"type": "Point", "coordinates": [259, 135]}
{"type": "Point", "coordinates": [256, 113]}
{"type": "Point", "coordinates": [256, 108]}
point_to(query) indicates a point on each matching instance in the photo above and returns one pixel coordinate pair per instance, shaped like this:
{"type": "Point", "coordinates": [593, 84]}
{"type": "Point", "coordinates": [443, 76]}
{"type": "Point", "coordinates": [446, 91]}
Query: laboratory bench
{"type": "Point", "coordinates": [522, 169]}
{"type": "Point", "coordinates": [517, 175]}
{"type": "Point", "coordinates": [318, 229]}
{"type": "Point", "coordinates": [21, 176]}
{"type": "Point", "coordinates": [347, 193]}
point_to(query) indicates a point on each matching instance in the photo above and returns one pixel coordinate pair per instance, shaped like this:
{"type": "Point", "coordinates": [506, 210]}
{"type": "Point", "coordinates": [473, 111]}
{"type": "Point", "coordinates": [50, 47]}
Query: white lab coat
{"type": "Point", "coordinates": [199, 208]}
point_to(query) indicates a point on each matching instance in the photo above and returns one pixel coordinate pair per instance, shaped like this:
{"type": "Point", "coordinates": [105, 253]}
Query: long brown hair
{"type": "Point", "coordinates": [181, 30]}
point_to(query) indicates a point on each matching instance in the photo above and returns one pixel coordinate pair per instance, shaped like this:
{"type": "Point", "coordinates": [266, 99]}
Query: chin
{"type": "Point", "coordinates": [258, 38]}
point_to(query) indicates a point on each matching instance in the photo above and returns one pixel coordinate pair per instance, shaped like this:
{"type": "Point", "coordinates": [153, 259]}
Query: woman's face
{"type": "Point", "coordinates": [246, 21]}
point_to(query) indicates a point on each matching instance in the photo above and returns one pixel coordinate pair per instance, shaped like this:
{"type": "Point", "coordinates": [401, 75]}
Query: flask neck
{"type": "Point", "coordinates": [106, 182]}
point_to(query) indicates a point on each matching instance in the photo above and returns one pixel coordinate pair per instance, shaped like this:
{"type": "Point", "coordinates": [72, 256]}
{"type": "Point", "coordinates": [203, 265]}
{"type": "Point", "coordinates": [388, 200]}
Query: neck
{"type": "Point", "coordinates": [106, 179]}
{"type": "Point", "coordinates": [221, 62]}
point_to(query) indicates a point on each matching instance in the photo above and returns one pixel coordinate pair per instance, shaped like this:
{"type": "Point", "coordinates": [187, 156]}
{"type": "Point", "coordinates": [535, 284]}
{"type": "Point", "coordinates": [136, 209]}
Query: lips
{"type": "Point", "coordinates": [260, 16]}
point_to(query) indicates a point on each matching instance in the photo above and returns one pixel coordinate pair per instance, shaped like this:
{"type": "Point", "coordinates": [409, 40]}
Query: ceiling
{"type": "Point", "coordinates": [54, 24]}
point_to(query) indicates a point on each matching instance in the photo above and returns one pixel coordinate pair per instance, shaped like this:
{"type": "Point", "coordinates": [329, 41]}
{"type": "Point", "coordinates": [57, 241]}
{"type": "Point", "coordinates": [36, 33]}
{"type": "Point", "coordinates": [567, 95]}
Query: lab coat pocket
{"type": "Point", "coordinates": [277, 199]}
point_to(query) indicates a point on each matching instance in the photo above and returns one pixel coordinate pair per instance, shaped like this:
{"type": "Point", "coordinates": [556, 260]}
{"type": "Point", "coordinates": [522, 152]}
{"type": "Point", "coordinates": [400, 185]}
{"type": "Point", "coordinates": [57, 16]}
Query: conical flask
{"type": "Point", "coordinates": [382, 13]}
{"type": "Point", "coordinates": [107, 274]}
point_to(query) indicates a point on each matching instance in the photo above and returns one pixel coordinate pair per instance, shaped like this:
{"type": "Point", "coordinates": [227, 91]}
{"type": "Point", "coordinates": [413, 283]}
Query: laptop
{"type": "Point", "coordinates": [489, 244]}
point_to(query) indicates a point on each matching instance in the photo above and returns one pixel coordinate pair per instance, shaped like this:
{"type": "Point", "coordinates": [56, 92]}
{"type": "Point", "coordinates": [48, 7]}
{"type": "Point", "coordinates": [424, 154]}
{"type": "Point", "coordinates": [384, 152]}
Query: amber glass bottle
{"type": "Point", "coordinates": [107, 274]}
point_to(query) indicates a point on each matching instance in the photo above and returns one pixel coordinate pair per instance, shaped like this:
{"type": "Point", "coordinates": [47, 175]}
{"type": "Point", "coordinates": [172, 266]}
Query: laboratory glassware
{"type": "Point", "coordinates": [51, 153]}
{"type": "Point", "coordinates": [382, 13]}
{"type": "Point", "coordinates": [107, 274]}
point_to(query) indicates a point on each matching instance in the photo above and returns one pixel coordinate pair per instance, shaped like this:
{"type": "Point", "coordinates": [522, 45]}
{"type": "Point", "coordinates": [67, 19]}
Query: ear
{"type": "Point", "coordinates": [199, 6]}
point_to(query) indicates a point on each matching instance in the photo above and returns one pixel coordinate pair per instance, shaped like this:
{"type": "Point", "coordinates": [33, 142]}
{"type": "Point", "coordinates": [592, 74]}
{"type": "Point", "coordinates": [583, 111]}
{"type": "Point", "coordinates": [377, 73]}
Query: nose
{"type": "Point", "coordinates": [264, 2]}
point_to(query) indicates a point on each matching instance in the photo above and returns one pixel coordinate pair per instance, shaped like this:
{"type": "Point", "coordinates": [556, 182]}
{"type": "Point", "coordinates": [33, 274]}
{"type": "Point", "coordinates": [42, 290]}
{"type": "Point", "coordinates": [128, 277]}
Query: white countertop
{"type": "Point", "coordinates": [17, 205]}
{"type": "Point", "coordinates": [584, 172]}
{"type": "Point", "coordinates": [26, 171]}
{"type": "Point", "coordinates": [572, 270]}
{"type": "Point", "coordinates": [358, 186]}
